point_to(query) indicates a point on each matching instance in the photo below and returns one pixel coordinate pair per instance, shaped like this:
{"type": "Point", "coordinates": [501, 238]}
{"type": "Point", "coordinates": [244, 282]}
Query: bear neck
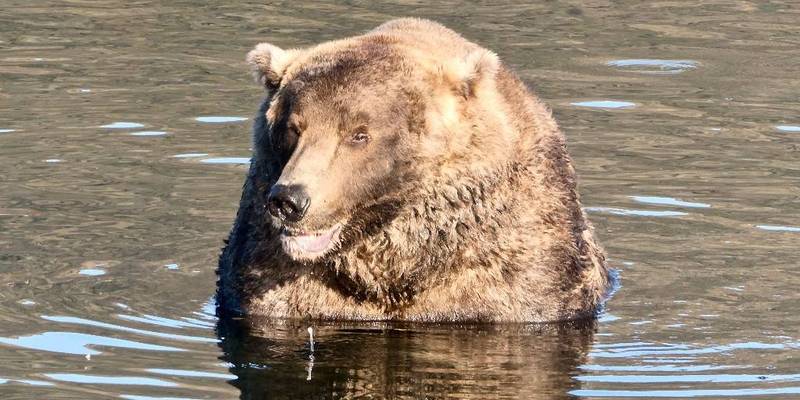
{"type": "Point", "coordinates": [435, 231]}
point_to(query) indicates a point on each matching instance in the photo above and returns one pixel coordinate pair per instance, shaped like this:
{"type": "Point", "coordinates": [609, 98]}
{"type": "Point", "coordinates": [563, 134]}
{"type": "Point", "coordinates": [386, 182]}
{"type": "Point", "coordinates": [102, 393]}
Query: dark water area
{"type": "Point", "coordinates": [124, 140]}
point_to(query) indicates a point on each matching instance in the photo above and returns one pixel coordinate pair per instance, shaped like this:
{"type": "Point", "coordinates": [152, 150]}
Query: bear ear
{"type": "Point", "coordinates": [269, 62]}
{"type": "Point", "coordinates": [469, 73]}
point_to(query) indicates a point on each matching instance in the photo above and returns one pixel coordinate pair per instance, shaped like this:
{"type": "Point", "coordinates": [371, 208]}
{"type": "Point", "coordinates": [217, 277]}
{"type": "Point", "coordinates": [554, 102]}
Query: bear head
{"type": "Point", "coordinates": [350, 129]}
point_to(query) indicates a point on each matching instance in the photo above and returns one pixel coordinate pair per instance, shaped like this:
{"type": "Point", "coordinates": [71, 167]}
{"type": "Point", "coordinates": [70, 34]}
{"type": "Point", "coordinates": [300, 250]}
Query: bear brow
{"type": "Point", "coordinates": [297, 121]}
{"type": "Point", "coordinates": [352, 120]}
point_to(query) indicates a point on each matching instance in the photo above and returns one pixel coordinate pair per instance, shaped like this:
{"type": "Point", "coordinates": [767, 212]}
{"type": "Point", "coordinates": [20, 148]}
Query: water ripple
{"type": "Point", "coordinates": [92, 272]}
{"type": "Point", "coordinates": [123, 125]}
{"type": "Point", "coordinates": [77, 343]}
{"type": "Point", "coordinates": [87, 322]}
{"type": "Point", "coordinates": [188, 373]}
{"type": "Point", "coordinates": [610, 104]}
{"type": "Point", "coordinates": [161, 321]}
{"type": "Point", "coordinates": [720, 378]}
{"type": "Point", "coordinates": [779, 228]}
{"type": "Point", "coordinates": [656, 368]}
{"type": "Point", "coordinates": [680, 350]}
{"type": "Point", "coordinates": [788, 128]}
{"type": "Point", "coordinates": [668, 201]}
{"type": "Point", "coordinates": [110, 380]}
{"type": "Point", "coordinates": [137, 397]}
{"type": "Point", "coordinates": [685, 393]}
{"type": "Point", "coordinates": [31, 382]}
{"type": "Point", "coordinates": [654, 66]}
{"type": "Point", "coordinates": [219, 119]}
{"type": "Point", "coordinates": [226, 160]}
{"type": "Point", "coordinates": [149, 133]}
{"type": "Point", "coordinates": [190, 155]}
{"type": "Point", "coordinates": [636, 213]}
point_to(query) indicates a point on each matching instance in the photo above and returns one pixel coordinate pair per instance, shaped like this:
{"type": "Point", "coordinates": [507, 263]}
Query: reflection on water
{"type": "Point", "coordinates": [788, 128]}
{"type": "Point", "coordinates": [226, 160]}
{"type": "Point", "coordinates": [681, 117]}
{"type": "Point", "coordinates": [637, 213]}
{"type": "Point", "coordinates": [605, 104]}
{"type": "Point", "coordinates": [111, 380]}
{"type": "Point", "coordinates": [668, 201]}
{"type": "Point", "coordinates": [149, 133]}
{"type": "Point", "coordinates": [198, 374]}
{"type": "Point", "coordinates": [655, 66]}
{"type": "Point", "coordinates": [92, 271]}
{"type": "Point", "coordinates": [217, 120]}
{"type": "Point", "coordinates": [172, 266]}
{"type": "Point", "coordinates": [779, 228]}
{"type": "Point", "coordinates": [718, 393]}
{"type": "Point", "coordinates": [190, 155]}
{"type": "Point", "coordinates": [76, 343]}
{"type": "Point", "coordinates": [123, 125]}
{"type": "Point", "coordinates": [396, 360]}
{"type": "Point", "coordinates": [114, 327]}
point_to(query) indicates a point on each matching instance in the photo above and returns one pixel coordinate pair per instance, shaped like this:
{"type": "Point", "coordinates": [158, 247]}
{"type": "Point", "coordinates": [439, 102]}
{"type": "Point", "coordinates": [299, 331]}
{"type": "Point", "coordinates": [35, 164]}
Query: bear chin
{"type": "Point", "coordinates": [305, 246]}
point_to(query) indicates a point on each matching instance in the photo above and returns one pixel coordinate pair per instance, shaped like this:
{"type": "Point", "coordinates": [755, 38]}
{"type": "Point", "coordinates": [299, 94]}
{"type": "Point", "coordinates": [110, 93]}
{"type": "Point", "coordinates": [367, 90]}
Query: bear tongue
{"type": "Point", "coordinates": [315, 243]}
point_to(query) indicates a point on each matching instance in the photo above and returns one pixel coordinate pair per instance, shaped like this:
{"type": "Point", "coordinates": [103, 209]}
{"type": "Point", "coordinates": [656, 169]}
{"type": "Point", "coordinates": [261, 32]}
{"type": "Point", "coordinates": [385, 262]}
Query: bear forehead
{"type": "Point", "coordinates": [368, 61]}
{"type": "Point", "coordinates": [342, 85]}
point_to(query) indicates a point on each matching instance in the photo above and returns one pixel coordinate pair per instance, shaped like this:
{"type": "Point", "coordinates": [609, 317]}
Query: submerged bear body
{"type": "Point", "coordinates": [407, 174]}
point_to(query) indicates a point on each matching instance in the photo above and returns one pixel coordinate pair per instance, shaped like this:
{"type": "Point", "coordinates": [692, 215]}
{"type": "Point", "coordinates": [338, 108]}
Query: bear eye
{"type": "Point", "coordinates": [360, 136]}
{"type": "Point", "coordinates": [293, 130]}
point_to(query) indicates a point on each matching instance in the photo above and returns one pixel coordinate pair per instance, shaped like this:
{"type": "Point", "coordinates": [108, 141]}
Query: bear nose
{"type": "Point", "coordinates": [287, 202]}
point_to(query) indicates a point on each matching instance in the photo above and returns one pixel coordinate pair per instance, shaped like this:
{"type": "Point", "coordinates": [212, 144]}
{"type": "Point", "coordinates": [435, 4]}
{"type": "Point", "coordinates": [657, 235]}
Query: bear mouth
{"type": "Point", "coordinates": [305, 245]}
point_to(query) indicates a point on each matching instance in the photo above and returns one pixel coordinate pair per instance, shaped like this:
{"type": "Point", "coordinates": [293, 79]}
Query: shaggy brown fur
{"type": "Point", "coordinates": [449, 181]}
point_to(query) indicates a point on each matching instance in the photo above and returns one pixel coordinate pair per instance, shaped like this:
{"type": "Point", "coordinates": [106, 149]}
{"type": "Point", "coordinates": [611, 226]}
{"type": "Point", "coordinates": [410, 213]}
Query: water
{"type": "Point", "coordinates": [788, 128]}
{"type": "Point", "coordinates": [693, 190]}
{"type": "Point", "coordinates": [655, 66]}
{"type": "Point", "coordinates": [605, 104]}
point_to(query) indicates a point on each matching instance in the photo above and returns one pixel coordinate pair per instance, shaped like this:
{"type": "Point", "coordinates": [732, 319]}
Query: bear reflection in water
{"type": "Point", "coordinates": [272, 359]}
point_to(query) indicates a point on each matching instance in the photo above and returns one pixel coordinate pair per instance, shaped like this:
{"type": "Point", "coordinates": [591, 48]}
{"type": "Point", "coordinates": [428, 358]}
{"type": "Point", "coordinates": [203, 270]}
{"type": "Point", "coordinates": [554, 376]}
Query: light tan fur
{"type": "Point", "coordinates": [487, 225]}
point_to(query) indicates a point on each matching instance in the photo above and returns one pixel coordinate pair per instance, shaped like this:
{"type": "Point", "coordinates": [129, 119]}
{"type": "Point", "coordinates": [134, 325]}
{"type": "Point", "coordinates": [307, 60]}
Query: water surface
{"type": "Point", "coordinates": [124, 139]}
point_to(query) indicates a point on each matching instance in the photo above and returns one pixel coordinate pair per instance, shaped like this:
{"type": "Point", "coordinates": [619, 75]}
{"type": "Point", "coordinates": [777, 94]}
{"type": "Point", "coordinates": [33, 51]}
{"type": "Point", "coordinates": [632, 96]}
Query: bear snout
{"type": "Point", "coordinates": [288, 202]}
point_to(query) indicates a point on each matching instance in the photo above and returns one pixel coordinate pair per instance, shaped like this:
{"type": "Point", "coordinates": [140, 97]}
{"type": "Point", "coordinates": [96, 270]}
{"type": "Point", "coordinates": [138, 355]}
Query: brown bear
{"type": "Point", "coordinates": [407, 174]}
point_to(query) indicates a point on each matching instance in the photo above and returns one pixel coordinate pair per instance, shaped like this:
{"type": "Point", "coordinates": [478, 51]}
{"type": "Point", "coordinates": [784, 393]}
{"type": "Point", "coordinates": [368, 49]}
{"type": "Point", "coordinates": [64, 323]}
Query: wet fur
{"type": "Point", "coordinates": [481, 220]}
